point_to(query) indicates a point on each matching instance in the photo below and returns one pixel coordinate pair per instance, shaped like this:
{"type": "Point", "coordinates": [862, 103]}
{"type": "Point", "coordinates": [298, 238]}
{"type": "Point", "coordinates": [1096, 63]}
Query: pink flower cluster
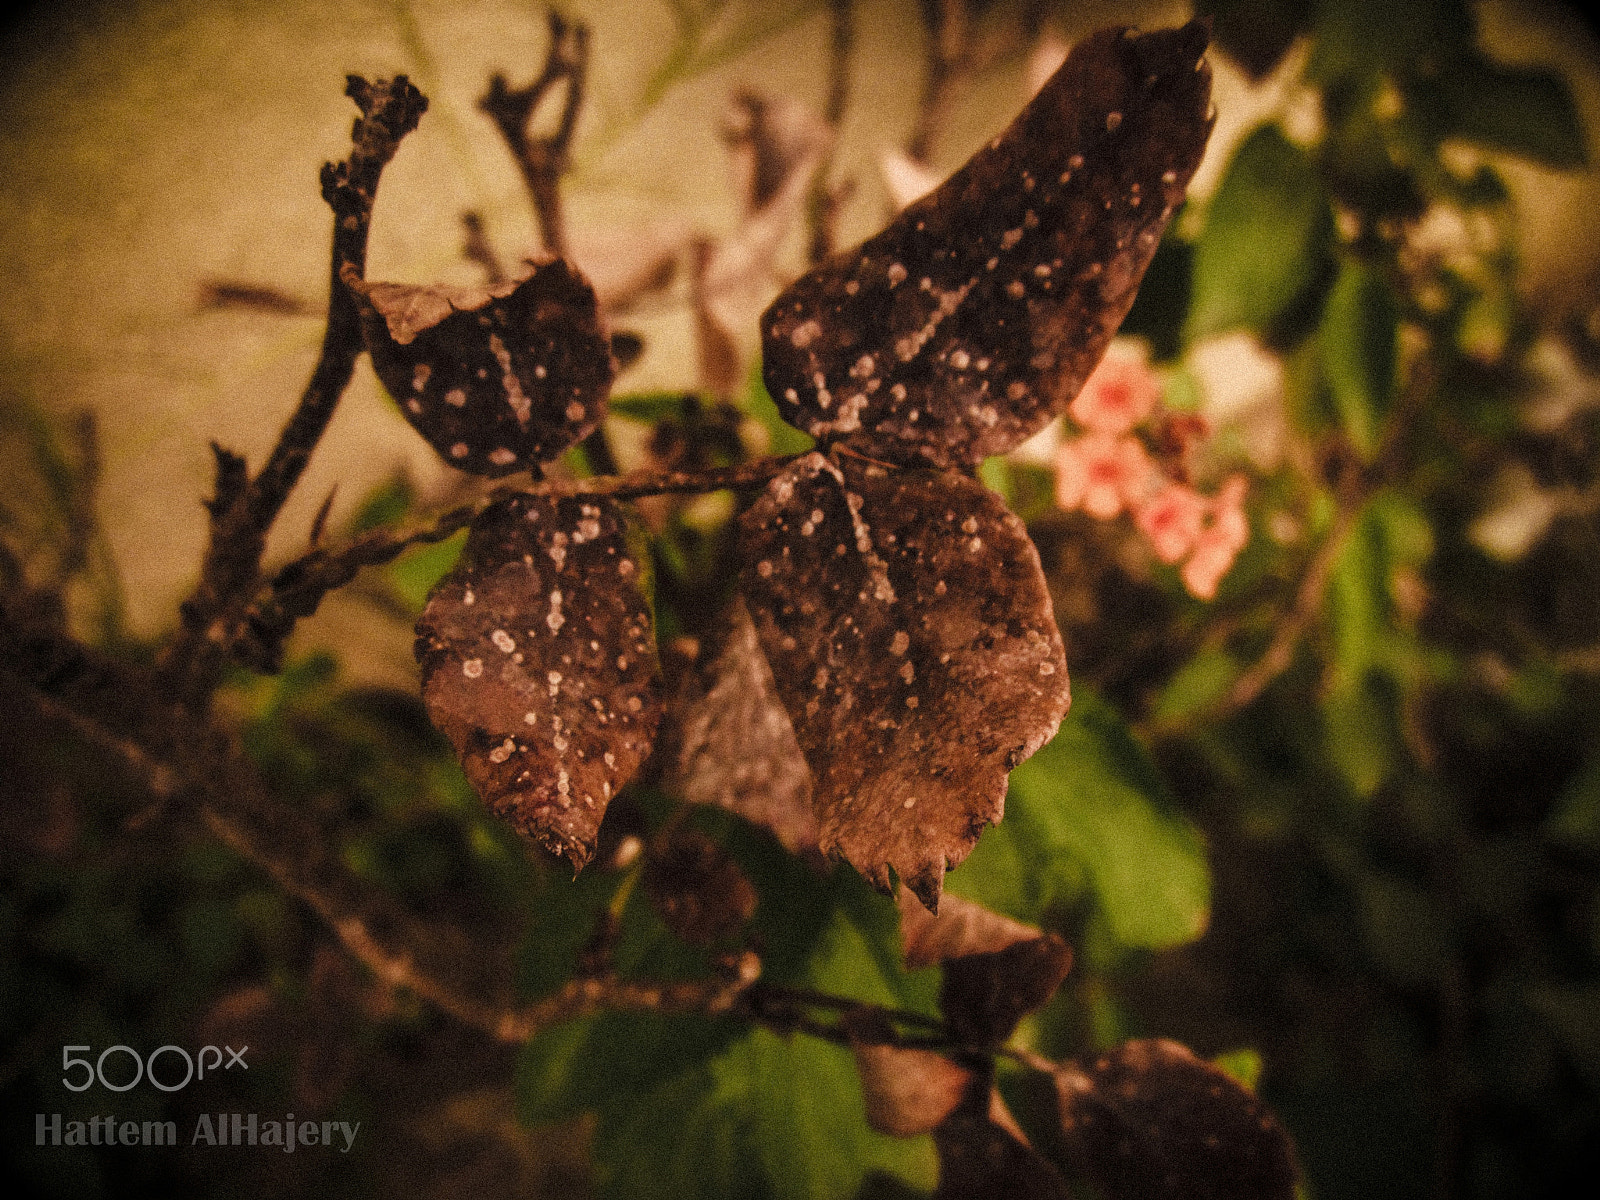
{"type": "Point", "coordinates": [1108, 470]}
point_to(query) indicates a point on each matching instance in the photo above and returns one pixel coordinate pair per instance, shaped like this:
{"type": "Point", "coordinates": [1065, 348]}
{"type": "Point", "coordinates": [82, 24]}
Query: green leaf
{"type": "Point", "coordinates": [1092, 805]}
{"type": "Point", "coordinates": [416, 572]}
{"type": "Point", "coordinates": [1362, 37]}
{"type": "Point", "coordinates": [1359, 731]}
{"type": "Point", "coordinates": [1267, 238]}
{"type": "Point", "coordinates": [649, 407]}
{"type": "Point", "coordinates": [1524, 110]}
{"type": "Point", "coordinates": [1358, 341]}
{"type": "Point", "coordinates": [1403, 929]}
{"type": "Point", "coordinates": [1243, 1066]}
{"type": "Point", "coordinates": [782, 437]}
{"type": "Point", "coordinates": [695, 1107]}
{"type": "Point", "coordinates": [1197, 685]}
{"type": "Point", "coordinates": [1162, 302]}
{"type": "Point", "coordinates": [1574, 821]}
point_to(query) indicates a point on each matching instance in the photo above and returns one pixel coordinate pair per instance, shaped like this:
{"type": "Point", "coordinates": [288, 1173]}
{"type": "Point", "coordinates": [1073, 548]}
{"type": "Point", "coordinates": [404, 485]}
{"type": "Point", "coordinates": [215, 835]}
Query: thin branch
{"type": "Point", "coordinates": [1279, 654]}
{"type": "Point", "coordinates": [242, 513]}
{"type": "Point", "coordinates": [300, 586]}
{"type": "Point", "coordinates": [949, 57]}
{"type": "Point", "coordinates": [476, 248]}
{"type": "Point", "coordinates": [777, 993]}
{"type": "Point", "coordinates": [825, 200]}
{"type": "Point", "coordinates": [543, 160]}
{"type": "Point", "coordinates": [1355, 487]}
{"type": "Point", "coordinates": [400, 967]}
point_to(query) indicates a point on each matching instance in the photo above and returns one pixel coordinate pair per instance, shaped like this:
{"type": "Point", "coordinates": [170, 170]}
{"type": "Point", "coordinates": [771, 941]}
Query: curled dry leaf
{"type": "Point", "coordinates": [698, 889]}
{"type": "Point", "coordinates": [960, 927]}
{"type": "Point", "coordinates": [958, 331]}
{"type": "Point", "coordinates": [734, 743]}
{"type": "Point", "coordinates": [908, 1091]}
{"type": "Point", "coordinates": [996, 970]}
{"type": "Point", "coordinates": [1150, 1120]}
{"type": "Point", "coordinates": [497, 379]}
{"type": "Point", "coordinates": [910, 635]}
{"type": "Point", "coordinates": [539, 665]}
{"type": "Point", "coordinates": [983, 996]}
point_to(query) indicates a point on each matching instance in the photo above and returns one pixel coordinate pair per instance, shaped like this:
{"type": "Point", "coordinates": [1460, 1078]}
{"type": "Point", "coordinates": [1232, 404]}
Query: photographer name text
{"type": "Point", "coordinates": [210, 1129]}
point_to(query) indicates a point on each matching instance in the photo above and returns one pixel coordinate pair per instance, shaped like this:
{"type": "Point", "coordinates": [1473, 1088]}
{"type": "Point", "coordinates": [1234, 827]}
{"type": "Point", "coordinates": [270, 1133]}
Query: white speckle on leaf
{"type": "Point", "coordinates": [503, 641]}
{"type": "Point", "coordinates": [472, 668]}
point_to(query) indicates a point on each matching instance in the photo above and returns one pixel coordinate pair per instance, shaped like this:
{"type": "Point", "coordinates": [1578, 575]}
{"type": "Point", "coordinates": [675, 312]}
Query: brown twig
{"type": "Point", "coordinates": [242, 511]}
{"type": "Point", "coordinates": [300, 585]}
{"type": "Point", "coordinates": [825, 200]}
{"type": "Point", "coordinates": [543, 160]}
{"type": "Point", "coordinates": [949, 57]}
{"type": "Point", "coordinates": [476, 248]}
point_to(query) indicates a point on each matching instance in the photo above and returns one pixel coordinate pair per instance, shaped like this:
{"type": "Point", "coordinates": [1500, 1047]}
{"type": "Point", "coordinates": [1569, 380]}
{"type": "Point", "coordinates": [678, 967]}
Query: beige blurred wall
{"type": "Point", "coordinates": [149, 146]}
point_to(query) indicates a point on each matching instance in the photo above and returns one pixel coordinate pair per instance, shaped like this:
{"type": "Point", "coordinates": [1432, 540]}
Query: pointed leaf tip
{"type": "Point", "coordinates": [539, 665]}
{"type": "Point", "coordinates": [958, 331]}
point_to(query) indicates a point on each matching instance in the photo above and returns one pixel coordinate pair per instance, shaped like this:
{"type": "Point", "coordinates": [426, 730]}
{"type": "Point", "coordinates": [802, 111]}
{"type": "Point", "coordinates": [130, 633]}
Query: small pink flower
{"type": "Point", "coordinates": [1101, 474]}
{"type": "Point", "coordinates": [1219, 543]}
{"type": "Point", "coordinates": [1118, 394]}
{"type": "Point", "coordinates": [1172, 519]}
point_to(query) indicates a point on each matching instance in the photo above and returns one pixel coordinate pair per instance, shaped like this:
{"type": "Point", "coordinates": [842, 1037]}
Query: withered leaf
{"type": "Point", "coordinates": [1151, 1120]}
{"type": "Point", "coordinates": [961, 328]}
{"type": "Point", "coordinates": [960, 927]}
{"type": "Point", "coordinates": [908, 1090]}
{"type": "Point", "coordinates": [496, 379]}
{"type": "Point", "coordinates": [735, 745]}
{"type": "Point", "coordinates": [981, 1156]}
{"type": "Point", "coordinates": [910, 635]}
{"type": "Point", "coordinates": [697, 888]}
{"type": "Point", "coordinates": [996, 970]}
{"type": "Point", "coordinates": [539, 665]}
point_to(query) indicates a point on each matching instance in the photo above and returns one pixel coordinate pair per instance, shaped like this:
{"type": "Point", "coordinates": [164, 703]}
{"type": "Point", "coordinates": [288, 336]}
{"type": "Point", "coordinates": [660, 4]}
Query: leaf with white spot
{"type": "Point", "coordinates": [958, 331]}
{"type": "Point", "coordinates": [911, 639]}
{"type": "Point", "coordinates": [1150, 1121]}
{"type": "Point", "coordinates": [539, 665]}
{"type": "Point", "coordinates": [496, 379]}
{"type": "Point", "coordinates": [734, 744]}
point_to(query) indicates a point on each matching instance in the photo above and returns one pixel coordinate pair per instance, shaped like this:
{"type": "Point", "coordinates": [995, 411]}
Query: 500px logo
{"type": "Point", "coordinates": [80, 1074]}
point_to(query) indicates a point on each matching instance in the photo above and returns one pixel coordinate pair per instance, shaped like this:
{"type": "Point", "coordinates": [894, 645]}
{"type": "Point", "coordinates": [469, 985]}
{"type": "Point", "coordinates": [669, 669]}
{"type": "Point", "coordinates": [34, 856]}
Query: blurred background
{"type": "Point", "coordinates": [1365, 865]}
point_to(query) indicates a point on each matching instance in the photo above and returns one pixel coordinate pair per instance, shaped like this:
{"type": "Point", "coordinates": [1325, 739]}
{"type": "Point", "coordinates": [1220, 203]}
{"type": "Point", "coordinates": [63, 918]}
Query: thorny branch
{"type": "Point", "coordinates": [243, 509]}
{"type": "Point", "coordinates": [543, 160]}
